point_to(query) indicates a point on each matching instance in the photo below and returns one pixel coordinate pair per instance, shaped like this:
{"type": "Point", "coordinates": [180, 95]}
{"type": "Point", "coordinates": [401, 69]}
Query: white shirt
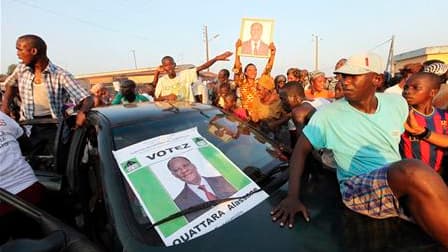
{"type": "Point", "coordinates": [291, 125]}
{"type": "Point", "coordinates": [41, 101]}
{"type": "Point", "coordinates": [15, 173]}
{"type": "Point", "coordinates": [395, 89]}
{"type": "Point", "coordinates": [179, 85]}
{"type": "Point", "coordinates": [200, 88]}
{"type": "Point", "coordinates": [150, 98]}
{"type": "Point", "coordinates": [318, 102]}
{"type": "Point", "coordinates": [199, 192]}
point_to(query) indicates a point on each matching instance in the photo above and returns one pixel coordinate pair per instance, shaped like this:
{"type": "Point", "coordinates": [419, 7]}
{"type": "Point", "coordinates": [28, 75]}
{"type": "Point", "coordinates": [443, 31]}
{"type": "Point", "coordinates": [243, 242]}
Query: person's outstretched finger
{"type": "Point", "coordinates": [306, 214]}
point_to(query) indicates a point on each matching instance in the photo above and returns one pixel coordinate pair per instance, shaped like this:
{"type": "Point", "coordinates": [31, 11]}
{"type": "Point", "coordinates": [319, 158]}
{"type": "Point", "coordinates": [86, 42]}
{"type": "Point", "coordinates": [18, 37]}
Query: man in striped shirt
{"type": "Point", "coordinates": [42, 85]}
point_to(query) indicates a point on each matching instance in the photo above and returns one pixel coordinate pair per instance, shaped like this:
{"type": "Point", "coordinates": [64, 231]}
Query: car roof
{"type": "Point", "coordinates": [124, 114]}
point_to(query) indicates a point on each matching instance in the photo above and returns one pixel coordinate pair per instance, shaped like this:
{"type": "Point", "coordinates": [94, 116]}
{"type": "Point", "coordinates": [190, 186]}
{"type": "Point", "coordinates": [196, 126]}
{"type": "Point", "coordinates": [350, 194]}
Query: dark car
{"type": "Point", "coordinates": [105, 208]}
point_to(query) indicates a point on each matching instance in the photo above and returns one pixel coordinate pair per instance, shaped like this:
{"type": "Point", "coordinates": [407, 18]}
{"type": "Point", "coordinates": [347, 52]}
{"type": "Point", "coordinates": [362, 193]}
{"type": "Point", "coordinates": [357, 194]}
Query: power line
{"type": "Point", "coordinates": [80, 20]}
{"type": "Point", "coordinates": [387, 41]}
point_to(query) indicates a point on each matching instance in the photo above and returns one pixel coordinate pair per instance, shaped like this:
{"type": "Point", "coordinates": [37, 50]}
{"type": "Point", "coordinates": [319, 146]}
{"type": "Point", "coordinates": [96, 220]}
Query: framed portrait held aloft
{"type": "Point", "coordinates": [256, 35]}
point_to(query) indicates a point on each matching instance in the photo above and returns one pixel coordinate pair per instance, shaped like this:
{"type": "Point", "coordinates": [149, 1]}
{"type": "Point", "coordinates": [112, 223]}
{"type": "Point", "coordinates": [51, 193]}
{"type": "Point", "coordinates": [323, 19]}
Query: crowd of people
{"type": "Point", "coordinates": [388, 143]}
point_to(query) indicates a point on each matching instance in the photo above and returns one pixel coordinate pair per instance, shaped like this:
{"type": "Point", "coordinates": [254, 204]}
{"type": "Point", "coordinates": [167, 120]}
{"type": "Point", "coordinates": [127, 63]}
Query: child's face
{"type": "Point", "coordinates": [224, 91]}
{"type": "Point", "coordinates": [416, 91]}
{"type": "Point", "coordinates": [229, 102]}
{"type": "Point", "coordinates": [294, 101]}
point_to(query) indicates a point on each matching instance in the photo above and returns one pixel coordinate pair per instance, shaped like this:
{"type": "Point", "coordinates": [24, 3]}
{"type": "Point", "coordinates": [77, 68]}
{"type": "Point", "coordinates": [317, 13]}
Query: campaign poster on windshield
{"type": "Point", "coordinates": [174, 172]}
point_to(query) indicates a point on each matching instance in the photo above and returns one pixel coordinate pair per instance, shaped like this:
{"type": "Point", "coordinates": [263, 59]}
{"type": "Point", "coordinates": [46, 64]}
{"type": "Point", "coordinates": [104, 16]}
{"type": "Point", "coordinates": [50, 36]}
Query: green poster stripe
{"type": "Point", "coordinates": [157, 200]}
{"type": "Point", "coordinates": [225, 167]}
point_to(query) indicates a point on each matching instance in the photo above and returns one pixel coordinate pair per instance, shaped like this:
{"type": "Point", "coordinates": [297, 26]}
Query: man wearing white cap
{"type": "Point", "coordinates": [363, 130]}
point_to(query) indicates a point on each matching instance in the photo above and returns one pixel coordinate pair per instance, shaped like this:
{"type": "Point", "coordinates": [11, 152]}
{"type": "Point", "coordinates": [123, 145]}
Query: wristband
{"type": "Point", "coordinates": [425, 135]}
{"type": "Point", "coordinates": [428, 134]}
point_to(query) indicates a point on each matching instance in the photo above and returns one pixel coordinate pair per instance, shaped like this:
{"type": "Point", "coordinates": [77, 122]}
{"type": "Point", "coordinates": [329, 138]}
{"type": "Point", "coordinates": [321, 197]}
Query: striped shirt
{"type": "Point", "coordinates": [412, 147]}
{"type": "Point", "coordinates": [59, 82]}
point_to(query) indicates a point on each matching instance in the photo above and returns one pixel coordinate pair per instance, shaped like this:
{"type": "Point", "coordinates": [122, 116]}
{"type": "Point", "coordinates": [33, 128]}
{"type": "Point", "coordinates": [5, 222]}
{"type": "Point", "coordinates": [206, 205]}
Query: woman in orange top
{"type": "Point", "coordinates": [255, 97]}
{"type": "Point", "coordinates": [317, 88]}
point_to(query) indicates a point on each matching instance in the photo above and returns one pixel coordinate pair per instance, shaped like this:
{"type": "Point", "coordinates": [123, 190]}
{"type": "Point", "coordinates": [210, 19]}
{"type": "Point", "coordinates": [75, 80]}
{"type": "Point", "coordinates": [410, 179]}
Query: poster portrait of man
{"type": "Point", "coordinates": [197, 188]}
{"type": "Point", "coordinates": [173, 172]}
{"type": "Point", "coordinates": [256, 35]}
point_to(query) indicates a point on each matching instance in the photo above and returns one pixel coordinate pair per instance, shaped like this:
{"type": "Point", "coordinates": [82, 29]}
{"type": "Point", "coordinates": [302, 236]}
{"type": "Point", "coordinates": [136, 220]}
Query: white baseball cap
{"type": "Point", "coordinates": [361, 64]}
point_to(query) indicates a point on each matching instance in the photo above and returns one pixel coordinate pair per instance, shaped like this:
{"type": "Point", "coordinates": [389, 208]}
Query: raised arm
{"type": "Point", "coordinates": [237, 68]}
{"type": "Point", "coordinates": [270, 64]}
{"type": "Point", "coordinates": [223, 57]}
{"type": "Point", "coordinates": [157, 72]}
{"type": "Point", "coordinates": [287, 209]}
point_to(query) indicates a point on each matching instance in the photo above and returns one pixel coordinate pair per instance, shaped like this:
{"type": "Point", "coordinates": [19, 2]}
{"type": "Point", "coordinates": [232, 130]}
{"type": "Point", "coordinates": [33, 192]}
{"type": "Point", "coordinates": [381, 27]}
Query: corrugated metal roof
{"type": "Point", "coordinates": [421, 52]}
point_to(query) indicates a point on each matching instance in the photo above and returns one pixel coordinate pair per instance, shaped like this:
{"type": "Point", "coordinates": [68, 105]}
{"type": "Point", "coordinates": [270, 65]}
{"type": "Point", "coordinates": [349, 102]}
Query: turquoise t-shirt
{"type": "Point", "coordinates": [360, 142]}
{"type": "Point", "coordinates": [120, 99]}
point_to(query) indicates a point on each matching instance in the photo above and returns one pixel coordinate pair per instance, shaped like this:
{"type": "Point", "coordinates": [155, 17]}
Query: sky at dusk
{"type": "Point", "coordinates": [99, 36]}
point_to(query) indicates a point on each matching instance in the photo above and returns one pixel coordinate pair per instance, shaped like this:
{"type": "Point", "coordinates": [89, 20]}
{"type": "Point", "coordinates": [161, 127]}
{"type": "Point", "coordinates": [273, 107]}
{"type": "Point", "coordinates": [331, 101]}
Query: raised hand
{"type": "Point", "coordinates": [238, 43]}
{"type": "Point", "coordinates": [224, 56]}
{"type": "Point", "coordinates": [272, 48]}
{"type": "Point", "coordinates": [160, 69]}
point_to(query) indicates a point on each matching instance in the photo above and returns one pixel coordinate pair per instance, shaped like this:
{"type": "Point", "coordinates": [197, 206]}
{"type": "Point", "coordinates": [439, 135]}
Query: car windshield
{"type": "Point", "coordinates": [246, 147]}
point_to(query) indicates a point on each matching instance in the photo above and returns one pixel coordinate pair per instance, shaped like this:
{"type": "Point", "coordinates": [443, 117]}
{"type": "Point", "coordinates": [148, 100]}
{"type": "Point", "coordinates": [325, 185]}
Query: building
{"type": "Point", "coordinates": [421, 55]}
{"type": "Point", "coordinates": [140, 76]}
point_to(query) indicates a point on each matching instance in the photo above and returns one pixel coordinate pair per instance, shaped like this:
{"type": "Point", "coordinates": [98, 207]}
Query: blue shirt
{"type": "Point", "coordinates": [360, 142]}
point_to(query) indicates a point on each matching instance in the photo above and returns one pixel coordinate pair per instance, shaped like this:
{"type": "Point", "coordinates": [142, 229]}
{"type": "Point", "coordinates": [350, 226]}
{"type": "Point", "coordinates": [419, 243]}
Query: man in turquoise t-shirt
{"type": "Point", "coordinates": [127, 94]}
{"type": "Point", "coordinates": [363, 130]}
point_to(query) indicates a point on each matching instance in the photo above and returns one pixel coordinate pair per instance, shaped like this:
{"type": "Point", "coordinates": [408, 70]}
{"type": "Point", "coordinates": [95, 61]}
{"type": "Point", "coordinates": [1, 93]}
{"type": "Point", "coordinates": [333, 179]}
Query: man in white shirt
{"type": "Point", "coordinates": [177, 86]}
{"type": "Point", "coordinates": [255, 45]}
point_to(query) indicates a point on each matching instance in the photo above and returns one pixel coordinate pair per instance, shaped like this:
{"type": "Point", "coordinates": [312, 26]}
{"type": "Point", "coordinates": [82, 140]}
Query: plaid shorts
{"type": "Point", "coordinates": [369, 194]}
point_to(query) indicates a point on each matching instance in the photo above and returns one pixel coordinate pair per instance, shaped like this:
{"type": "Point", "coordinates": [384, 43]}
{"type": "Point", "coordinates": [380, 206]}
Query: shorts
{"type": "Point", "coordinates": [369, 194]}
{"type": "Point", "coordinates": [32, 194]}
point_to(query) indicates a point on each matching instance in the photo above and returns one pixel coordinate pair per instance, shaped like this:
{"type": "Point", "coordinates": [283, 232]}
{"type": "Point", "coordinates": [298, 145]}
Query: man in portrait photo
{"type": "Point", "coordinates": [255, 45]}
{"type": "Point", "coordinates": [197, 188]}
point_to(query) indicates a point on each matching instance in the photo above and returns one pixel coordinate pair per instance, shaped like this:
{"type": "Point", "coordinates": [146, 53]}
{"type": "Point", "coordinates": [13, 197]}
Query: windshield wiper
{"type": "Point", "coordinates": [201, 112]}
{"type": "Point", "coordinates": [199, 207]}
{"type": "Point", "coordinates": [173, 108]}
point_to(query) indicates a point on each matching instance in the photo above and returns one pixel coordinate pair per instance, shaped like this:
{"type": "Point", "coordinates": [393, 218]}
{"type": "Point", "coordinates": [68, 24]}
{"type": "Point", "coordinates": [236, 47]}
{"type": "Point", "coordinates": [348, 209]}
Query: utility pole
{"type": "Point", "coordinates": [206, 40]}
{"type": "Point", "coordinates": [206, 43]}
{"type": "Point", "coordinates": [135, 60]}
{"type": "Point", "coordinates": [390, 60]}
{"type": "Point", "coordinates": [316, 52]}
